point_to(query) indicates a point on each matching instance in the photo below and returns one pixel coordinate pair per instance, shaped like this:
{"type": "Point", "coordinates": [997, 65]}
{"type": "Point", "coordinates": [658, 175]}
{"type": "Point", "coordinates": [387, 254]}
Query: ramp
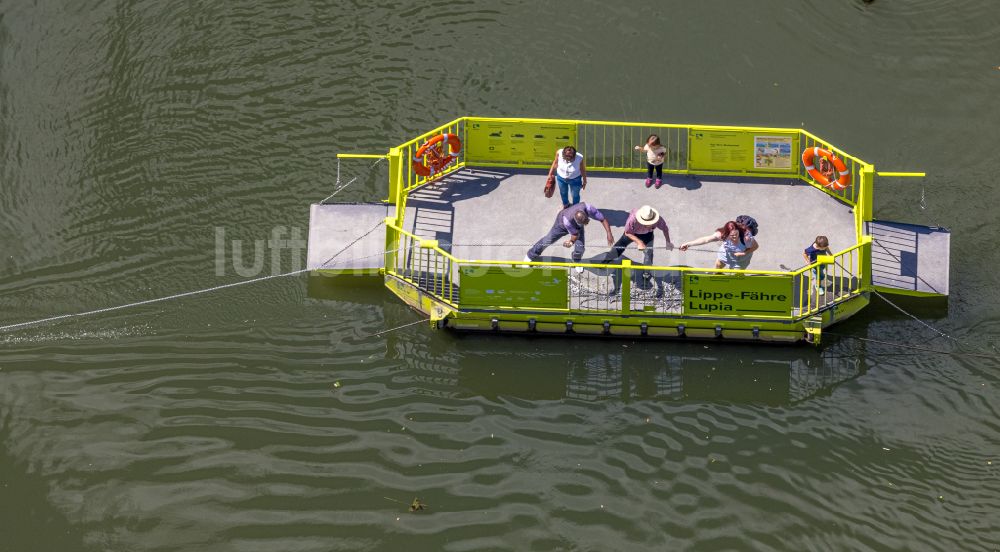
{"type": "Point", "coordinates": [335, 226]}
{"type": "Point", "coordinates": [909, 258]}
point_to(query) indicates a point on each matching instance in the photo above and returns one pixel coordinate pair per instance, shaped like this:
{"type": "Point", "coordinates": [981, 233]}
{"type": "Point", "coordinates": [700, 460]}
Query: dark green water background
{"type": "Point", "coordinates": [130, 131]}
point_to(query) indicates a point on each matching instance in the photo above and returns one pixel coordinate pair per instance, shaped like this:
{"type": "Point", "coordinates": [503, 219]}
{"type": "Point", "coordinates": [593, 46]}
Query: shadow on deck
{"type": "Point", "coordinates": [499, 214]}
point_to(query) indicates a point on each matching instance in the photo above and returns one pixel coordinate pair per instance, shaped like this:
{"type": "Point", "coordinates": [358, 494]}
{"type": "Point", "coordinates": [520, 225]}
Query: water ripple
{"type": "Point", "coordinates": [267, 417]}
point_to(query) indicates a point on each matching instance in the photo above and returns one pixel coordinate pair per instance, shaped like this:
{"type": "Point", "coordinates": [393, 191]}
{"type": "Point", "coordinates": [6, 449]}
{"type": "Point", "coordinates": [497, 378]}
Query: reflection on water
{"type": "Point", "coordinates": [640, 370]}
{"type": "Point", "coordinates": [540, 368]}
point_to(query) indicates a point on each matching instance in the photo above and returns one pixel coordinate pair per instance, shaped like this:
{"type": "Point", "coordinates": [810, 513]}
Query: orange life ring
{"type": "Point", "coordinates": [843, 175]}
{"type": "Point", "coordinates": [430, 159]}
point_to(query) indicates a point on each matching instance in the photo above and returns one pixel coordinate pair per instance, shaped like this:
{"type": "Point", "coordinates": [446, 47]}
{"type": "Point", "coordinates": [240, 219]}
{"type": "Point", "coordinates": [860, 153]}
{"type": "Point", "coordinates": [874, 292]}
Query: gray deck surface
{"type": "Point", "coordinates": [910, 257]}
{"type": "Point", "coordinates": [481, 214]}
{"type": "Point", "coordinates": [498, 214]}
{"type": "Point", "coordinates": [333, 227]}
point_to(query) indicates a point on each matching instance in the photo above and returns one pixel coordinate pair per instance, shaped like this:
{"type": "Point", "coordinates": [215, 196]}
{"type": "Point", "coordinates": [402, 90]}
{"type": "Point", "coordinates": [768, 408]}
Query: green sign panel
{"type": "Point", "coordinates": [492, 287]}
{"type": "Point", "coordinates": [743, 151]}
{"type": "Point", "coordinates": [517, 142]}
{"type": "Point", "coordinates": [737, 294]}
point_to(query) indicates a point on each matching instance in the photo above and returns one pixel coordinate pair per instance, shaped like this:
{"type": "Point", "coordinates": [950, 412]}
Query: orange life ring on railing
{"type": "Point", "coordinates": [430, 159]}
{"type": "Point", "coordinates": [843, 175]}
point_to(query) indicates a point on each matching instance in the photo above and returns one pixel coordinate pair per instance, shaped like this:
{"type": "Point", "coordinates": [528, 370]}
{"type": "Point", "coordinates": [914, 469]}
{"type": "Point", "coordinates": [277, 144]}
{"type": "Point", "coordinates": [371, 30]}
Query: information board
{"type": "Point", "coordinates": [742, 151]}
{"type": "Point", "coordinates": [737, 294]}
{"type": "Point", "coordinates": [517, 142]}
{"type": "Point", "coordinates": [772, 152]}
{"type": "Point", "coordinates": [493, 287]}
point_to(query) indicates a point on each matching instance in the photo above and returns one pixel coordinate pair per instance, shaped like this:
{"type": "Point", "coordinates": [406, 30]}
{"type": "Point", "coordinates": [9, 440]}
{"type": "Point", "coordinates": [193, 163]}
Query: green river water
{"type": "Point", "coordinates": [266, 417]}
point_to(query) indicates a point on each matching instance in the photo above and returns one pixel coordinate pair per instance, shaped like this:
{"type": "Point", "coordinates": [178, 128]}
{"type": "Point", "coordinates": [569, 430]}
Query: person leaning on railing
{"type": "Point", "coordinates": [571, 174]}
{"type": "Point", "coordinates": [639, 230]}
{"type": "Point", "coordinates": [819, 246]}
{"type": "Point", "coordinates": [570, 221]}
{"type": "Point", "coordinates": [736, 248]}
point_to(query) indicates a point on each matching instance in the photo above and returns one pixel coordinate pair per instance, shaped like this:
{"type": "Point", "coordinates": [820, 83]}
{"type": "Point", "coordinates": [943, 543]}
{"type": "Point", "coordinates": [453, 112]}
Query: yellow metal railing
{"type": "Point", "coordinates": [402, 177]}
{"type": "Point", "coordinates": [616, 289]}
{"type": "Point", "coordinates": [843, 277]}
{"type": "Point", "coordinates": [851, 195]}
{"type": "Point", "coordinates": [409, 149]}
{"type": "Point", "coordinates": [421, 262]}
{"type": "Point", "coordinates": [609, 146]}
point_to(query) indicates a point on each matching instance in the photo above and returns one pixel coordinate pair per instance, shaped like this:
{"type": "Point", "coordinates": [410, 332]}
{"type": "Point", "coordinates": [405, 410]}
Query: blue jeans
{"type": "Point", "coordinates": [573, 185]}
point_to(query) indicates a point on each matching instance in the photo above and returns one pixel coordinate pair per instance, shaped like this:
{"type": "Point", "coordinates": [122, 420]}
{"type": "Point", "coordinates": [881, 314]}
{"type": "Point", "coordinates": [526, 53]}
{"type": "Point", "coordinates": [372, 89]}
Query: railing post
{"type": "Point", "coordinates": [867, 192]}
{"type": "Point", "coordinates": [391, 245]}
{"type": "Point", "coordinates": [626, 286]}
{"type": "Point", "coordinates": [866, 263]}
{"type": "Point", "coordinates": [395, 177]}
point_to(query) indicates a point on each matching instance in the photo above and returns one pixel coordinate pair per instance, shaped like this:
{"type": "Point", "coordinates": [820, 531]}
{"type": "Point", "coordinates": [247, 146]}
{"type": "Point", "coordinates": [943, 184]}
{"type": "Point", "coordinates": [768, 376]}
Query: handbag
{"type": "Point", "coordinates": [550, 186]}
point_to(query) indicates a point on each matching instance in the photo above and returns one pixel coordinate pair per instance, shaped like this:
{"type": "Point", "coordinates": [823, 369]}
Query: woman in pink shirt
{"type": "Point", "coordinates": [639, 230]}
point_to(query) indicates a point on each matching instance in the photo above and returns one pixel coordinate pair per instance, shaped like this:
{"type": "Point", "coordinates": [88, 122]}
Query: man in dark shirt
{"type": "Point", "coordinates": [570, 221]}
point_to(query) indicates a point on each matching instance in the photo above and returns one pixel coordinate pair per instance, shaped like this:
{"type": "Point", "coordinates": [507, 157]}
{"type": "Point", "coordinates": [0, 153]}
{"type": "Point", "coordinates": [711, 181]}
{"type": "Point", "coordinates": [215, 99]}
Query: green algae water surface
{"type": "Point", "coordinates": [151, 148]}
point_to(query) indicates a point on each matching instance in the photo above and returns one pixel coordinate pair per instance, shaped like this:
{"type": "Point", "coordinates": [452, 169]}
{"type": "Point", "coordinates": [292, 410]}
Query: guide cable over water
{"type": "Point", "coordinates": [20, 325]}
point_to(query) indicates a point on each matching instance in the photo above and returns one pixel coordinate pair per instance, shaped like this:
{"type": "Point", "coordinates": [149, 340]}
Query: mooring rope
{"type": "Point", "coordinates": [338, 190]}
{"type": "Point", "coordinates": [485, 243]}
{"type": "Point", "coordinates": [915, 347]}
{"type": "Point", "coordinates": [376, 334]}
{"type": "Point", "coordinates": [585, 295]}
{"type": "Point", "coordinates": [902, 310]}
{"type": "Point", "coordinates": [919, 321]}
{"type": "Point", "coordinates": [586, 246]}
{"type": "Point", "coordinates": [325, 264]}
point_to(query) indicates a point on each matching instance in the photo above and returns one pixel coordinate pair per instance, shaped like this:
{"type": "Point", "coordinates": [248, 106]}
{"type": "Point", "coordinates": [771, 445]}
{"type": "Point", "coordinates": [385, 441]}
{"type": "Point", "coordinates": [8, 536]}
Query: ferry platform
{"type": "Point", "coordinates": [452, 245]}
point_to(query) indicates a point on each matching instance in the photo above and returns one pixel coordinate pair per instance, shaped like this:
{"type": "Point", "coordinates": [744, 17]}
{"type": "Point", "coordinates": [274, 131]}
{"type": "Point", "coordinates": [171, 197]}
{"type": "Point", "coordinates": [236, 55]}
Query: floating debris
{"type": "Point", "coordinates": [417, 504]}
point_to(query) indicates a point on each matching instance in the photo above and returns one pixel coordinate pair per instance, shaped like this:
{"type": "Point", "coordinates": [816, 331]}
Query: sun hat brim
{"type": "Point", "coordinates": [648, 222]}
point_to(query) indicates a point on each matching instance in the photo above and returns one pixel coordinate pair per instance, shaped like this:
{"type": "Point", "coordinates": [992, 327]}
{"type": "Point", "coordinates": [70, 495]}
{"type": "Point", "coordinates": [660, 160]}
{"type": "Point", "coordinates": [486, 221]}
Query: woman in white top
{"type": "Point", "coordinates": [738, 245]}
{"type": "Point", "coordinates": [571, 174]}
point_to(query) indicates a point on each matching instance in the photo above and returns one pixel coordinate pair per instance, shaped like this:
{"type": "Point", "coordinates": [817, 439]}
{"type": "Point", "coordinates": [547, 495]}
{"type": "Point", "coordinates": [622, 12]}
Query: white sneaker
{"type": "Point", "coordinates": [821, 291]}
{"type": "Point", "coordinates": [578, 269]}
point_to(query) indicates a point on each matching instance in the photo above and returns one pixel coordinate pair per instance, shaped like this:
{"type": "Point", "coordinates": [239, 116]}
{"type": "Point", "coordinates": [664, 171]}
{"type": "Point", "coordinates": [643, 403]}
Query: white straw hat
{"type": "Point", "coordinates": [647, 216]}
